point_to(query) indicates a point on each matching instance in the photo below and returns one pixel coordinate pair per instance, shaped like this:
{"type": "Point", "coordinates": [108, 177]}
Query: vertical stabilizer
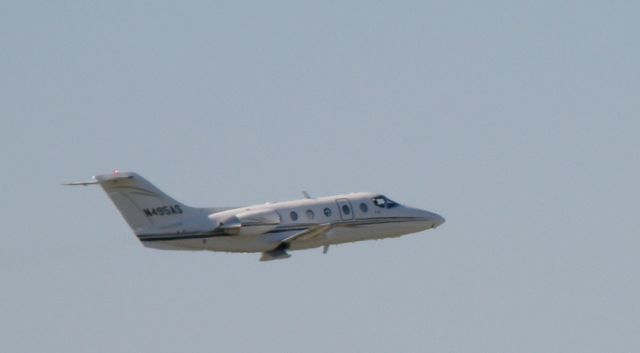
{"type": "Point", "coordinates": [147, 209]}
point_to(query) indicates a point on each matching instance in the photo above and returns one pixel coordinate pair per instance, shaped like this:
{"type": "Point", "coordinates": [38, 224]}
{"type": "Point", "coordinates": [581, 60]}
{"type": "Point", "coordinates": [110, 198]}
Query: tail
{"type": "Point", "coordinates": [147, 209]}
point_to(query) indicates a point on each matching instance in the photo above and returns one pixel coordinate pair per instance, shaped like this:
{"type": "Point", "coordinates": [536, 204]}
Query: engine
{"type": "Point", "coordinates": [251, 222]}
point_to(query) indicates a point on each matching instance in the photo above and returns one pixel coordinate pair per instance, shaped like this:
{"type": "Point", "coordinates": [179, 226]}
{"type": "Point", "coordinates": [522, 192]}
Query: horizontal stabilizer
{"type": "Point", "coordinates": [83, 183]}
{"type": "Point", "coordinates": [102, 178]}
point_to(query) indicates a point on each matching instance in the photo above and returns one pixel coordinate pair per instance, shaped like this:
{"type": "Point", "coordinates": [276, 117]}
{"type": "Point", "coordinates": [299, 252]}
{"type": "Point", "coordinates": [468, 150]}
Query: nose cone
{"type": "Point", "coordinates": [428, 219]}
{"type": "Point", "coordinates": [437, 220]}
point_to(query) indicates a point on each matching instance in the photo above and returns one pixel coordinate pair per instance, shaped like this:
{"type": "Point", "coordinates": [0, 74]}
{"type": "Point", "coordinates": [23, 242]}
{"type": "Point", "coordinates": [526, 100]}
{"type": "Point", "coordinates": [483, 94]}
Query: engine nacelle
{"type": "Point", "coordinates": [252, 222]}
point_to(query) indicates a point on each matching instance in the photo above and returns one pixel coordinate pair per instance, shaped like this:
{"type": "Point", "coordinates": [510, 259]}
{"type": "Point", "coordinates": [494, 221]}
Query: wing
{"type": "Point", "coordinates": [308, 233]}
{"type": "Point", "coordinates": [280, 251]}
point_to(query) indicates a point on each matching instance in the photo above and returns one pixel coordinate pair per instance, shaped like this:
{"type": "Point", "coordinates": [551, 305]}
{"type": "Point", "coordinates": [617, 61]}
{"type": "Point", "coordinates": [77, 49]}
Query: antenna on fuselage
{"type": "Point", "coordinates": [306, 194]}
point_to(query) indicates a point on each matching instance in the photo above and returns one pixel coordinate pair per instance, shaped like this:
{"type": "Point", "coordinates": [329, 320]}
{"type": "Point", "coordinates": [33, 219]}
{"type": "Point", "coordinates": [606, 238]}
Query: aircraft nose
{"type": "Point", "coordinates": [438, 220]}
{"type": "Point", "coordinates": [431, 219]}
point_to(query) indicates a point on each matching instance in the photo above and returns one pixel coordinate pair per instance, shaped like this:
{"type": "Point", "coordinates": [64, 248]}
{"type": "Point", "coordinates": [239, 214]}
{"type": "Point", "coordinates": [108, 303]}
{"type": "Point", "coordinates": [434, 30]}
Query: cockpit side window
{"type": "Point", "coordinates": [383, 202]}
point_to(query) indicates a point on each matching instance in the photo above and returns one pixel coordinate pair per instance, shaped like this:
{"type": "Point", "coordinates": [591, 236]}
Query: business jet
{"type": "Point", "coordinates": [161, 222]}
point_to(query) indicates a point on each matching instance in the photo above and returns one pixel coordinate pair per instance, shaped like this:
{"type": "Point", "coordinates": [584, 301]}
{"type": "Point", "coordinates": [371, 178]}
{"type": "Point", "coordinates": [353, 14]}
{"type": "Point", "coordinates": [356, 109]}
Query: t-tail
{"type": "Point", "coordinates": [147, 209]}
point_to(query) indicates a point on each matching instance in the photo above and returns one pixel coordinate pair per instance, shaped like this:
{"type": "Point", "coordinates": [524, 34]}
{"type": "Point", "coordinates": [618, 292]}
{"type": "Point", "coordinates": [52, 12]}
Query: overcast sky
{"type": "Point", "coordinates": [517, 121]}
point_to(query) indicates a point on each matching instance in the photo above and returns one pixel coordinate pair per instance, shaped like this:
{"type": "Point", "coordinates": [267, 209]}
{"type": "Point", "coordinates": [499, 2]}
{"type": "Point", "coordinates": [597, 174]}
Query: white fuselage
{"type": "Point", "coordinates": [160, 221]}
{"type": "Point", "coordinates": [353, 217]}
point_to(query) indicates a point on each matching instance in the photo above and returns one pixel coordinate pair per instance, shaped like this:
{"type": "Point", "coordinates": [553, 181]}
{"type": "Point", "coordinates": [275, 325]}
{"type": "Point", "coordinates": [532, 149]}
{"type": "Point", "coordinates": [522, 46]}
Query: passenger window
{"type": "Point", "coordinates": [327, 212]}
{"type": "Point", "coordinates": [293, 215]}
{"type": "Point", "coordinates": [364, 208]}
{"type": "Point", "coordinates": [310, 214]}
{"type": "Point", "coordinates": [346, 210]}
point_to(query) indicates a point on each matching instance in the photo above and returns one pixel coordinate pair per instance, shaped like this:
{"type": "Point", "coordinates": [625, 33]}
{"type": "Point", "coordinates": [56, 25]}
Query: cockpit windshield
{"type": "Point", "coordinates": [383, 202]}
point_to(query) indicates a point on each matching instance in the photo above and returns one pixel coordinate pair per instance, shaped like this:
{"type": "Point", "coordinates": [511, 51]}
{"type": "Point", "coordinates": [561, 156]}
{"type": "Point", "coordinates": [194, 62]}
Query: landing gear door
{"type": "Point", "coordinates": [345, 209]}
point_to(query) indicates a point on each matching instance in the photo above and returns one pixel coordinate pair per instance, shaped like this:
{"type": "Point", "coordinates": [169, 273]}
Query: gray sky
{"type": "Point", "coordinates": [518, 122]}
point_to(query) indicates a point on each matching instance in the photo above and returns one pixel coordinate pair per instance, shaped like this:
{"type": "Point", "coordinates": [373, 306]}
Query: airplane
{"type": "Point", "coordinates": [161, 222]}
